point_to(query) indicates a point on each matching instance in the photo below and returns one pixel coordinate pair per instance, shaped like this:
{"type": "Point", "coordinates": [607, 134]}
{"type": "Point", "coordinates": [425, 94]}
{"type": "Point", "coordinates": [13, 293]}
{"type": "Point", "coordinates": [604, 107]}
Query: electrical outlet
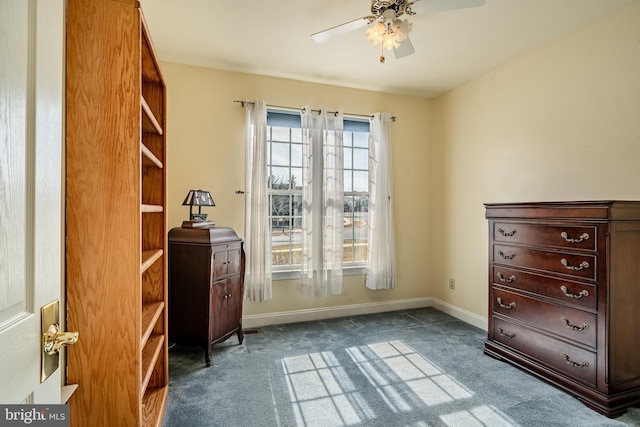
{"type": "Point", "coordinates": [452, 284]}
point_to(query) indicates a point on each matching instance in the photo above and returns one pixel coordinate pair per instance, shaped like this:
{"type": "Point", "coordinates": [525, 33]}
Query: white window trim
{"type": "Point", "coordinates": [353, 269]}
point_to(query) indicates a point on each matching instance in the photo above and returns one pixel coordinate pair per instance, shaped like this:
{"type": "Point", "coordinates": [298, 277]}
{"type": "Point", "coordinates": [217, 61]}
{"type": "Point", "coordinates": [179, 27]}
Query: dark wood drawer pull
{"type": "Point", "coordinates": [507, 233]}
{"type": "Point", "coordinates": [565, 291]}
{"type": "Point", "coordinates": [565, 356]}
{"type": "Point", "coordinates": [504, 334]}
{"type": "Point", "coordinates": [504, 279]}
{"type": "Point", "coordinates": [582, 238]}
{"type": "Point", "coordinates": [503, 255]}
{"type": "Point", "coordinates": [573, 327]}
{"type": "Point", "coordinates": [583, 265]}
{"type": "Point", "coordinates": [506, 306]}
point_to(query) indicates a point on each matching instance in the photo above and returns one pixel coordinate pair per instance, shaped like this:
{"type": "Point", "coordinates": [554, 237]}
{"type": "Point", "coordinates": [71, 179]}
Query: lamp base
{"type": "Point", "coordinates": [197, 224]}
{"type": "Point", "coordinates": [198, 217]}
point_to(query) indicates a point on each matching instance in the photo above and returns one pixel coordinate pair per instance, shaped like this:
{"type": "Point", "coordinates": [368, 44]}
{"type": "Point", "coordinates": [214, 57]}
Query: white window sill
{"type": "Point", "coordinates": [356, 270]}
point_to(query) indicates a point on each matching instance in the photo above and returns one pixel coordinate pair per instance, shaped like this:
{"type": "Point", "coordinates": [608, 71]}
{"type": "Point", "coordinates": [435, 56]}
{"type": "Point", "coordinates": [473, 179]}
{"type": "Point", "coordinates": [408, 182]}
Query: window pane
{"type": "Point", "coordinates": [297, 207]}
{"type": "Point", "coordinates": [280, 252]}
{"type": "Point", "coordinates": [280, 241]}
{"type": "Point", "coordinates": [268, 153]}
{"type": "Point", "coordinates": [361, 139]}
{"type": "Point", "coordinates": [279, 205]}
{"type": "Point", "coordinates": [360, 252]}
{"type": "Point", "coordinates": [360, 227]}
{"type": "Point", "coordinates": [347, 139]}
{"type": "Point", "coordinates": [279, 178]}
{"type": "Point", "coordinates": [348, 229]}
{"type": "Point", "coordinates": [296, 241]}
{"type": "Point", "coordinates": [280, 154]}
{"type": "Point", "coordinates": [279, 133]}
{"type": "Point", "coordinates": [360, 158]}
{"type": "Point", "coordinates": [361, 204]}
{"type": "Point", "coordinates": [296, 154]}
{"type": "Point", "coordinates": [348, 158]}
{"type": "Point", "coordinates": [296, 178]}
{"type": "Point", "coordinates": [278, 225]}
{"type": "Point", "coordinates": [348, 181]}
{"type": "Point", "coordinates": [360, 181]}
{"type": "Point", "coordinates": [296, 135]}
{"type": "Point", "coordinates": [348, 205]}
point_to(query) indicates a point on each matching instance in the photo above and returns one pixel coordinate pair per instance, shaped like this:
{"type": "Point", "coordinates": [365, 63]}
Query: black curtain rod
{"type": "Point", "coordinates": [243, 103]}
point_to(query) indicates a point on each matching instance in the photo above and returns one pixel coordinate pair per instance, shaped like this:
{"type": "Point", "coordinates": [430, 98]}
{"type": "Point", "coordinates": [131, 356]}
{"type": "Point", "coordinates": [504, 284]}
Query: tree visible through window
{"type": "Point", "coordinates": [284, 158]}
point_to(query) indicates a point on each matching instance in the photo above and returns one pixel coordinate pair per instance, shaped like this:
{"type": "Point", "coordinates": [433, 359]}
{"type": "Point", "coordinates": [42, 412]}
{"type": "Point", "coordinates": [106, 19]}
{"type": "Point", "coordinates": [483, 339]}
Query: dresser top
{"type": "Point", "coordinates": [580, 210]}
{"type": "Point", "coordinates": [203, 236]}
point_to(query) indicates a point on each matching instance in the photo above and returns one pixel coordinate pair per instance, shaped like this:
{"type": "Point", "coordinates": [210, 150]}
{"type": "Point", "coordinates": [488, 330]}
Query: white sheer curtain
{"type": "Point", "coordinates": [381, 260]}
{"type": "Point", "coordinates": [323, 202]}
{"type": "Point", "coordinates": [257, 234]}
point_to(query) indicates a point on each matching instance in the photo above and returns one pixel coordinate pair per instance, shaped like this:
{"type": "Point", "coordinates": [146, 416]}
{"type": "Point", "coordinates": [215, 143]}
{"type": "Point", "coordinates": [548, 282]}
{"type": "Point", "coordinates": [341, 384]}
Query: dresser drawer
{"type": "Point", "coordinates": [562, 236]}
{"type": "Point", "coordinates": [570, 323]}
{"type": "Point", "coordinates": [571, 360]}
{"type": "Point", "coordinates": [577, 265]}
{"type": "Point", "coordinates": [564, 291]}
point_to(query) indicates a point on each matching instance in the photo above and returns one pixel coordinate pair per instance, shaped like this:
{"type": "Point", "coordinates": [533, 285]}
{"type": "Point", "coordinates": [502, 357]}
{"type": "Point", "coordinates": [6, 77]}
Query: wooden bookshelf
{"type": "Point", "coordinates": [116, 216]}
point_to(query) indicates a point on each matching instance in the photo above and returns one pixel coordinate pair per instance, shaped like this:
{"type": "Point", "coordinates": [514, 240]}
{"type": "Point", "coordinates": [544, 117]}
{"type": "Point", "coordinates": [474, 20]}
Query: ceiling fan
{"type": "Point", "coordinates": [386, 29]}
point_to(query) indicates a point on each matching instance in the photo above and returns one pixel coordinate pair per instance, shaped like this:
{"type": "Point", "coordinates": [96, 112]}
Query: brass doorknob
{"type": "Point", "coordinates": [54, 339]}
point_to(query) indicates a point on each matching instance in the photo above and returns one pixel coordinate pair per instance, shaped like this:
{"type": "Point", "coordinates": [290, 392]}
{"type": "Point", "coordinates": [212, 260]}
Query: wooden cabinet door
{"type": "Point", "coordinates": [234, 302]}
{"type": "Point", "coordinates": [233, 261]}
{"type": "Point", "coordinates": [217, 310]}
{"type": "Point", "coordinates": [219, 264]}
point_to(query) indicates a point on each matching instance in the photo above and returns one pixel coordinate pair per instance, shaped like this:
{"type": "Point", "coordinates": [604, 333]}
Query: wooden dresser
{"type": "Point", "coordinates": [206, 278]}
{"type": "Point", "coordinates": [564, 291]}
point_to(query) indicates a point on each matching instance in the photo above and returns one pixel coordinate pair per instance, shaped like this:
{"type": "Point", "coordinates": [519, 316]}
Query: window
{"type": "Point", "coordinates": [284, 158]}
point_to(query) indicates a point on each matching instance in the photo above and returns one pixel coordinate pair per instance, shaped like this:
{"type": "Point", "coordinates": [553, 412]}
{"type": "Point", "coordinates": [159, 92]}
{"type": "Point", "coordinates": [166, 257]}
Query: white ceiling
{"type": "Point", "coordinates": [272, 37]}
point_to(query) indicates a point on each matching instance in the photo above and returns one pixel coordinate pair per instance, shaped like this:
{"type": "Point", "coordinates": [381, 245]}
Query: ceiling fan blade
{"type": "Point", "coordinates": [339, 30]}
{"type": "Point", "coordinates": [429, 6]}
{"type": "Point", "coordinates": [405, 49]}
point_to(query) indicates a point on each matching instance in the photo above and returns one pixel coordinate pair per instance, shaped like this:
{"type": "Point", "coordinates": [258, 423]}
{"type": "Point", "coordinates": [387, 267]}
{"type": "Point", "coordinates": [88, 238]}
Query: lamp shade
{"type": "Point", "coordinates": [198, 198]}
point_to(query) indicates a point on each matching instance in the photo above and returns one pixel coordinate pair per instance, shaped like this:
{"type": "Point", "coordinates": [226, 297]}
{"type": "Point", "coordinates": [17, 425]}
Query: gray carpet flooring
{"type": "Point", "coordinates": [413, 368]}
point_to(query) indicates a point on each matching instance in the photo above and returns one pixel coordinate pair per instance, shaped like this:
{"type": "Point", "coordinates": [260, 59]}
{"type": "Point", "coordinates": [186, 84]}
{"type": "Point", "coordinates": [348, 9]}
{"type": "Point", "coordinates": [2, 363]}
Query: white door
{"type": "Point", "coordinates": [31, 227]}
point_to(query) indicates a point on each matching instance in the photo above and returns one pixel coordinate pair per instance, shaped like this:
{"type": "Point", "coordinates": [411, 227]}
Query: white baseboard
{"type": "Point", "coordinates": [461, 314]}
{"type": "Point", "coordinates": [293, 316]}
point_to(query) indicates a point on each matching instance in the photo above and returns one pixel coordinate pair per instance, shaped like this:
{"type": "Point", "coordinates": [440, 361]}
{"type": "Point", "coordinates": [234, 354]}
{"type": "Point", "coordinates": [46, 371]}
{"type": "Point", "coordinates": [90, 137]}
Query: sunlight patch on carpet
{"type": "Point", "coordinates": [477, 417]}
{"type": "Point", "coordinates": [327, 392]}
{"type": "Point", "coordinates": [322, 393]}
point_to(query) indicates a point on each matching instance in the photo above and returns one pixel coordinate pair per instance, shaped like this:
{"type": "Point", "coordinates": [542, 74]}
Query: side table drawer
{"type": "Point", "coordinates": [571, 360]}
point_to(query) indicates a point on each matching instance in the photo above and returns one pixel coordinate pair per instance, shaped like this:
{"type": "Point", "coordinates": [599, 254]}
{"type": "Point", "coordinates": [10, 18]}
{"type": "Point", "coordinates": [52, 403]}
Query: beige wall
{"type": "Point", "coordinates": [561, 123]}
{"type": "Point", "coordinates": [205, 149]}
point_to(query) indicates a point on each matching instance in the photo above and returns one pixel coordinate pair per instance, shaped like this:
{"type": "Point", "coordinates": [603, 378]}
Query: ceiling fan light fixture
{"type": "Point", "coordinates": [376, 32]}
{"type": "Point", "coordinates": [402, 28]}
{"type": "Point", "coordinates": [389, 34]}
